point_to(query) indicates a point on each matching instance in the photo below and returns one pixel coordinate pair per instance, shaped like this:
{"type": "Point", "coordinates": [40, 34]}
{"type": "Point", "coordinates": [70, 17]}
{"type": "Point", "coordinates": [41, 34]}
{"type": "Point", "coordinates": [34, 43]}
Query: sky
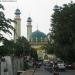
{"type": "Point", "coordinates": [39, 10]}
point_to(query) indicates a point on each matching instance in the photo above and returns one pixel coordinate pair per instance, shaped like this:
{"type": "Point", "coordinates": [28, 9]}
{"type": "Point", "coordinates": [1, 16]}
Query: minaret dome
{"type": "Point", "coordinates": [17, 12]}
{"type": "Point", "coordinates": [29, 19]}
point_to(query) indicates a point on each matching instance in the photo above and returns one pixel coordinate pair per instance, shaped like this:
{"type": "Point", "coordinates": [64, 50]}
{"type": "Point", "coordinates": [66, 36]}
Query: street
{"type": "Point", "coordinates": [69, 72]}
{"type": "Point", "coordinates": [42, 71]}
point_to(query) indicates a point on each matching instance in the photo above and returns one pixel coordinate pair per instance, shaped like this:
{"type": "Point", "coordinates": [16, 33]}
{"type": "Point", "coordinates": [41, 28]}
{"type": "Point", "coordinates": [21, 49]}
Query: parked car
{"type": "Point", "coordinates": [61, 65]}
{"type": "Point", "coordinates": [70, 66]}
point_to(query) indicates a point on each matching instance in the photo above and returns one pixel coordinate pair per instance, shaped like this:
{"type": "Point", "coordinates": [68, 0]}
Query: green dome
{"type": "Point", "coordinates": [38, 36]}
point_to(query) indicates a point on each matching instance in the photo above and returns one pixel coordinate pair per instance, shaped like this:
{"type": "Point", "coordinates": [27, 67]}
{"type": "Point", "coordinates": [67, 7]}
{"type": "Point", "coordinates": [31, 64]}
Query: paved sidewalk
{"type": "Point", "coordinates": [28, 72]}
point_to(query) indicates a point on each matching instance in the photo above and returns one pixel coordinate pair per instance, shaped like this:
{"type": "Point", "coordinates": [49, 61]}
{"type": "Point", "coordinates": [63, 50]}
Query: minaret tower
{"type": "Point", "coordinates": [17, 32]}
{"type": "Point", "coordinates": [29, 28]}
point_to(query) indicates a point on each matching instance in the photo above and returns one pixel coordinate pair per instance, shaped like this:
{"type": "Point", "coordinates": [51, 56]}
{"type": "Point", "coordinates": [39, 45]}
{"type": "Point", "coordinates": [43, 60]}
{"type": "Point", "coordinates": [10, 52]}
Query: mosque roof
{"type": "Point", "coordinates": [38, 36]}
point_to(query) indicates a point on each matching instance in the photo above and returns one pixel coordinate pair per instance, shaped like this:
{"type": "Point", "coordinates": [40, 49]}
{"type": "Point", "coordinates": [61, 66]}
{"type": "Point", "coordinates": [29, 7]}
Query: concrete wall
{"type": "Point", "coordinates": [11, 65]}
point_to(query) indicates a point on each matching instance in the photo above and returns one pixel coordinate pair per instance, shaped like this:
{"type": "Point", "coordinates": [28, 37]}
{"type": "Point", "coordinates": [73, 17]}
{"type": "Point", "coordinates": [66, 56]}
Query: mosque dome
{"type": "Point", "coordinates": [29, 19]}
{"type": "Point", "coordinates": [17, 12]}
{"type": "Point", "coordinates": [38, 36]}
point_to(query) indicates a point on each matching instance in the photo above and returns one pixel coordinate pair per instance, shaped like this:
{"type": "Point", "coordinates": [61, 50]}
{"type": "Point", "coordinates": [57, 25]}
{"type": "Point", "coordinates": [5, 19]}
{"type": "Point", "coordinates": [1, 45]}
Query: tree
{"type": "Point", "coordinates": [9, 46]}
{"type": "Point", "coordinates": [22, 47]}
{"type": "Point", "coordinates": [63, 30]}
{"type": "Point", "coordinates": [5, 27]}
{"type": "Point", "coordinates": [50, 46]}
{"type": "Point", "coordinates": [5, 24]}
{"type": "Point", "coordinates": [34, 54]}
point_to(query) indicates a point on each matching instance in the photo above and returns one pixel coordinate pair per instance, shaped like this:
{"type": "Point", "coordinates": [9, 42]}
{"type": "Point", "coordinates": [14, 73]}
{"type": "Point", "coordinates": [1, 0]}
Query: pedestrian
{"type": "Point", "coordinates": [55, 69]}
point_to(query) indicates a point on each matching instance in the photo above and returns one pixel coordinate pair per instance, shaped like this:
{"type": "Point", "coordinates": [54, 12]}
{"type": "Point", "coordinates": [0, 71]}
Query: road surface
{"type": "Point", "coordinates": [42, 71]}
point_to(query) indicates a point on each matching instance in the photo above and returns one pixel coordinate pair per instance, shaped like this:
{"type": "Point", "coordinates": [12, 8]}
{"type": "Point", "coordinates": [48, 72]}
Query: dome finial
{"type": "Point", "coordinates": [29, 19]}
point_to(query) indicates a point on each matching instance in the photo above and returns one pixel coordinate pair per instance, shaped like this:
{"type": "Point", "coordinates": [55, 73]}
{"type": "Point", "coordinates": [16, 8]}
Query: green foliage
{"type": "Point", "coordinates": [3, 51]}
{"type": "Point", "coordinates": [46, 57]}
{"type": "Point", "coordinates": [63, 30]}
{"type": "Point", "coordinates": [50, 46]}
{"type": "Point", "coordinates": [5, 24]}
{"type": "Point", "coordinates": [26, 66]}
{"type": "Point", "coordinates": [33, 54]}
{"type": "Point", "coordinates": [5, 28]}
{"type": "Point", "coordinates": [49, 49]}
{"type": "Point", "coordinates": [22, 47]}
{"type": "Point", "coordinates": [9, 46]}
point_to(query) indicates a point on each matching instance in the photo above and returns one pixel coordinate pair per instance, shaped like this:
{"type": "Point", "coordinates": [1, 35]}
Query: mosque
{"type": "Point", "coordinates": [37, 39]}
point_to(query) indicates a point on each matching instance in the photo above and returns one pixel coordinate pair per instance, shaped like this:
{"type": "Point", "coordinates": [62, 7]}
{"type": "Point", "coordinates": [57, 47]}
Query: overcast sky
{"type": "Point", "coordinates": [39, 10]}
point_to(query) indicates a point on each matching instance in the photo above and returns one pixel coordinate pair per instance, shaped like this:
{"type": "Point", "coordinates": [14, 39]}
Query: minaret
{"type": "Point", "coordinates": [17, 32]}
{"type": "Point", "coordinates": [29, 28]}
